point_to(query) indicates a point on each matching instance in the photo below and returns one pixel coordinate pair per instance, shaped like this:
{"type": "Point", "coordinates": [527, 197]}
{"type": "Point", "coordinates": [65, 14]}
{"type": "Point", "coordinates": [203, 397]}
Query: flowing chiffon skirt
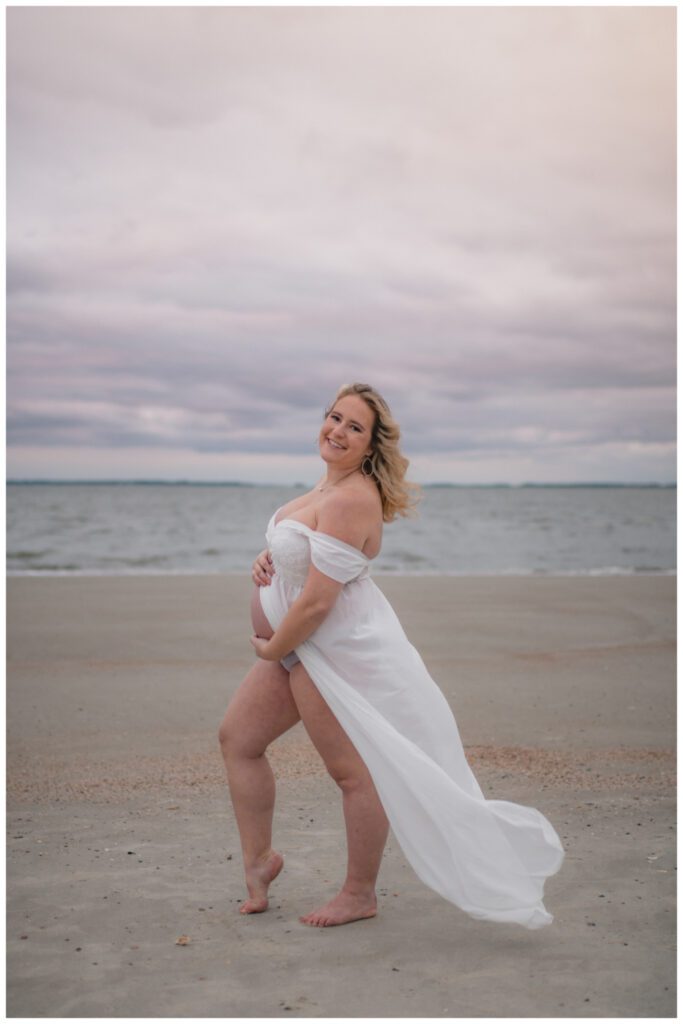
{"type": "Point", "coordinates": [488, 857]}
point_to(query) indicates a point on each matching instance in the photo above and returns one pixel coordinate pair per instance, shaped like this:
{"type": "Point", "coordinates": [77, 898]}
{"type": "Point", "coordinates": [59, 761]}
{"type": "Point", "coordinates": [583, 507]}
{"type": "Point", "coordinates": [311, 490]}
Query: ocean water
{"type": "Point", "coordinates": [196, 528]}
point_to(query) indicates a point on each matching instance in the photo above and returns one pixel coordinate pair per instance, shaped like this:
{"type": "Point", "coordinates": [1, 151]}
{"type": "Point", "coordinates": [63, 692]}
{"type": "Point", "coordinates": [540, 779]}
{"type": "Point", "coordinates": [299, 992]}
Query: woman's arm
{"type": "Point", "coordinates": [347, 516]}
{"type": "Point", "coordinates": [309, 610]}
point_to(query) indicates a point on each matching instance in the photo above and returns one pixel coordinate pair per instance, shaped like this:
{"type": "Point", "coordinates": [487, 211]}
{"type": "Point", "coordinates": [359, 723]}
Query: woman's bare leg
{"type": "Point", "coordinates": [366, 823]}
{"type": "Point", "coordinates": [261, 710]}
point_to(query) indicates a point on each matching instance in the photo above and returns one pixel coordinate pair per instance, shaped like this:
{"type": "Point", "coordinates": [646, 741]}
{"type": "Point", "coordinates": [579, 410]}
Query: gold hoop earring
{"type": "Point", "coordinates": [364, 471]}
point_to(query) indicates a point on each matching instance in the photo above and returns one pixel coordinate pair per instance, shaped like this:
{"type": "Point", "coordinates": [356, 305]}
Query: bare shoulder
{"type": "Point", "coordinates": [351, 513]}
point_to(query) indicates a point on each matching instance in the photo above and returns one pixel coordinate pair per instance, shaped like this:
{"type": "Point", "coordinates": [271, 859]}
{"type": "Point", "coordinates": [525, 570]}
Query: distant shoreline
{"type": "Point", "coordinates": [242, 483]}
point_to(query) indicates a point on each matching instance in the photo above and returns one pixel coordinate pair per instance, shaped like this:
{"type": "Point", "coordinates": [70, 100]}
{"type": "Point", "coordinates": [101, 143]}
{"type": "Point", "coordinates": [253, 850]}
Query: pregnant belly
{"type": "Point", "coordinates": [259, 622]}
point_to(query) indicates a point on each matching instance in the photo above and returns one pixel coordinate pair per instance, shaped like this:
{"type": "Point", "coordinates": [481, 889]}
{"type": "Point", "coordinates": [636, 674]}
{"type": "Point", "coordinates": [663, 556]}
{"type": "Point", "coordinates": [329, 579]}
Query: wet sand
{"type": "Point", "coordinates": [122, 841]}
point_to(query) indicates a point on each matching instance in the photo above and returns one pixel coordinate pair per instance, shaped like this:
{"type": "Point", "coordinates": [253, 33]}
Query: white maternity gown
{"type": "Point", "coordinates": [489, 857]}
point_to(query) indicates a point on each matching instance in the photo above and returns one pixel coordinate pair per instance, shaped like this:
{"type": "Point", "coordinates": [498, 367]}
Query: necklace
{"type": "Point", "coordinates": [326, 486]}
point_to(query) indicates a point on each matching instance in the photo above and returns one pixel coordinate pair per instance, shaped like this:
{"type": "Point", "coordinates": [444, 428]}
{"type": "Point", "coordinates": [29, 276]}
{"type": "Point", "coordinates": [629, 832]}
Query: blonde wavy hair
{"type": "Point", "coordinates": [399, 496]}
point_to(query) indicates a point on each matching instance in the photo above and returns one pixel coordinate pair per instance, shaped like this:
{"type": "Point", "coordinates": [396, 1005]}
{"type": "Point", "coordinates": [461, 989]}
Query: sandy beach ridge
{"type": "Point", "coordinates": [121, 837]}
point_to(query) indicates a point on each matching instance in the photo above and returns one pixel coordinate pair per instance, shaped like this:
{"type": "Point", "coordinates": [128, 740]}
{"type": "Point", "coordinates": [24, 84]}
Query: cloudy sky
{"type": "Point", "coordinates": [216, 216]}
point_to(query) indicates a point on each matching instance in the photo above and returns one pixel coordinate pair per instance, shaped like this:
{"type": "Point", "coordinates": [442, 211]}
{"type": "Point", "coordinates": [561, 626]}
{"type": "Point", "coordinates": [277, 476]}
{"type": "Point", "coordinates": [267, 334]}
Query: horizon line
{"type": "Point", "coordinates": [180, 481]}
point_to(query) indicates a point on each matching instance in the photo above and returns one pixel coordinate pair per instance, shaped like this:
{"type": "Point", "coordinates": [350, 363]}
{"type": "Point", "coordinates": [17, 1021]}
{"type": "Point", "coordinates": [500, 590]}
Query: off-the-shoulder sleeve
{"type": "Point", "coordinates": [336, 559]}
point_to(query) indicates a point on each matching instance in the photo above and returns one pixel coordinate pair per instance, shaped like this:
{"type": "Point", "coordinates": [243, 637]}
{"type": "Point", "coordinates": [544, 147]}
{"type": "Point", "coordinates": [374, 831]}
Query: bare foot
{"type": "Point", "coordinates": [259, 878]}
{"type": "Point", "coordinates": [342, 909]}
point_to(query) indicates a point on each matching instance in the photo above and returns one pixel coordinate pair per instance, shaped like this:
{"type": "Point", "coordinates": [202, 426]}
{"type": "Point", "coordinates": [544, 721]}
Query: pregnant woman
{"type": "Point", "coordinates": [332, 653]}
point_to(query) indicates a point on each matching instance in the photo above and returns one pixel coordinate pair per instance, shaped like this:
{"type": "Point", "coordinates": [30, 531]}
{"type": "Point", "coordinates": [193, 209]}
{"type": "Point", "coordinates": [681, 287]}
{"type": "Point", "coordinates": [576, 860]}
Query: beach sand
{"type": "Point", "coordinates": [122, 839]}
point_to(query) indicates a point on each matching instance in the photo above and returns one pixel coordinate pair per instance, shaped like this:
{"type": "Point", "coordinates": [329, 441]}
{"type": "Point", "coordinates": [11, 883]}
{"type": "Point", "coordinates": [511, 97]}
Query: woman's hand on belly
{"type": "Point", "coordinates": [263, 569]}
{"type": "Point", "coordinates": [260, 644]}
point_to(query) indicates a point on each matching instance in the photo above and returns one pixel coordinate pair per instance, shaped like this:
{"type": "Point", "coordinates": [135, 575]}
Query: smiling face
{"type": "Point", "coordinates": [346, 434]}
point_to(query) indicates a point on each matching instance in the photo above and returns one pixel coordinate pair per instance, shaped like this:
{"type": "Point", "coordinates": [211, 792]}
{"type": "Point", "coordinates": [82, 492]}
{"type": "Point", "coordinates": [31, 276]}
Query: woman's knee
{"type": "Point", "coordinates": [234, 733]}
{"type": "Point", "coordinates": [227, 734]}
{"type": "Point", "coordinates": [237, 742]}
{"type": "Point", "coordinates": [350, 778]}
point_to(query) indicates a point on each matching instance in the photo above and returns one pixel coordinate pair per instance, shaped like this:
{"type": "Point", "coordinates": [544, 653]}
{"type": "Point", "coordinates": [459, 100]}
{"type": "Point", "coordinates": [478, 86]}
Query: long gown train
{"type": "Point", "coordinates": [489, 857]}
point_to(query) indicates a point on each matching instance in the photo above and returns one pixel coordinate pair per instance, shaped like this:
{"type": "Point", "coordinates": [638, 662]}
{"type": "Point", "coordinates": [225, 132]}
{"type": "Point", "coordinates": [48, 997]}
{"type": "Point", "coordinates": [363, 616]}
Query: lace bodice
{"type": "Point", "coordinates": [293, 546]}
{"type": "Point", "coordinates": [291, 552]}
